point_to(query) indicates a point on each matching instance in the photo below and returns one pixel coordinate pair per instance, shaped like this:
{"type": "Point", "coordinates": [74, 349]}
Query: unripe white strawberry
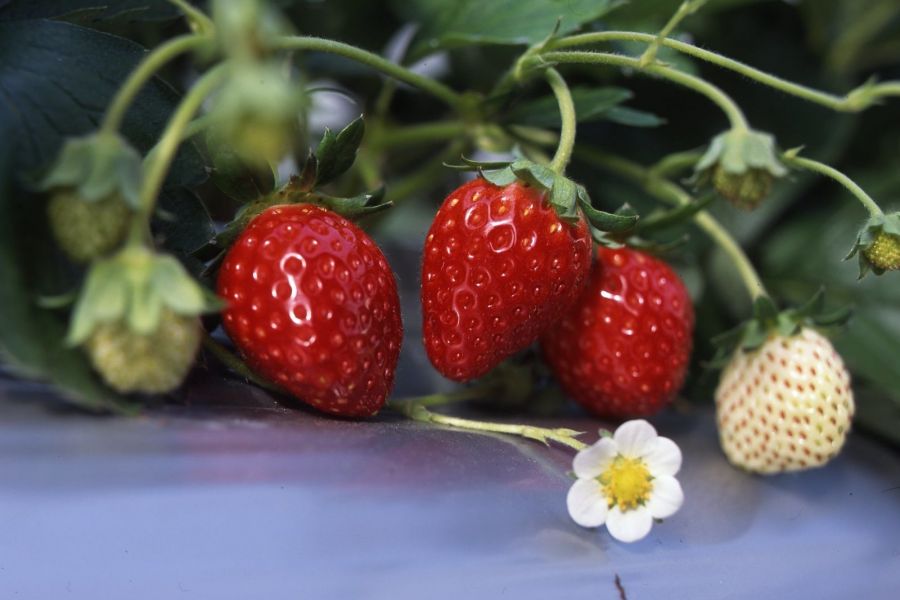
{"type": "Point", "coordinates": [785, 406]}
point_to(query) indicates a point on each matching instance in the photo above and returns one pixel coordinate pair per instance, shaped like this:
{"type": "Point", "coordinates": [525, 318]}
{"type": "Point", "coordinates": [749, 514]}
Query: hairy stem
{"type": "Point", "coordinates": [435, 88]}
{"type": "Point", "coordinates": [669, 192]}
{"type": "Point", "coordinates": [417, 411]}
{"type": "Point", "coordinates": [152, 63]}
{"type": "Point", "coordinates": [854, 101]}
{"type": "Point", "coordinates": [812, 165]}
{"type": "Point", "coordinates": [721, 99]}
{"type": "Point", "coordinates": [686, 8]}
{"type": "Point", "coordinates": [568, 118]}
{"type": "Point", "coordinates": [437, 131]}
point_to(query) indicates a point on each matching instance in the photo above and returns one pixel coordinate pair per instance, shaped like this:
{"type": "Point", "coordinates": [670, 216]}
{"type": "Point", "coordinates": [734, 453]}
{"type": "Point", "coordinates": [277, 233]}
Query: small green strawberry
{"type": "Point", "coordinates": [742, 164]}
{"type": "Point", "coordinates": [86, 230]}
{"type": "Point", "coordinates": [878, 245]}
{"type": "Point", "coordinates": [93, 187]}
{"type": "Point", "coordinates": [137, 318]}
{"type": "Point", "coordinates": [151, 363]}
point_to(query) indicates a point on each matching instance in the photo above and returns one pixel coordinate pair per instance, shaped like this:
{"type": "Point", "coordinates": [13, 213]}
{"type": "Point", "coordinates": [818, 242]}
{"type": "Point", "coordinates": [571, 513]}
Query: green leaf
{"type": "Point", "coordinates": [57, 80]}
{"type": "Point", "coordinates": [182, 223]}
{"type": "Point", "coordinates": [624, 115]}
{"type": "Point", "coordinates": [336, 153]}
{"type": "Point", "coordinates": [472, 22]}
{"type": "Point", "coordinates": [133, 10]}
{"type": "Point", "coordinates": [591, 104]}
{"type": "Point", "coordinates": [31, 338]}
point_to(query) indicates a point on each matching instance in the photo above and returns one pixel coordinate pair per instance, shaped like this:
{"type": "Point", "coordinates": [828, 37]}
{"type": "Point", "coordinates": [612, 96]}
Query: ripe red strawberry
{"type": "Point", "coordinates": [500, 266]}
{"type": "Point", "coordinates": [624, 349]}
{"type": "Point", "coordinates": [313, 306]}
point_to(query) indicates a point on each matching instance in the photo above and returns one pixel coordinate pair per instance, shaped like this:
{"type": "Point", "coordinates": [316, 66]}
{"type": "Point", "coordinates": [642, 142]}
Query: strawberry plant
{"type": "Point", "coordinates": [604, 202]}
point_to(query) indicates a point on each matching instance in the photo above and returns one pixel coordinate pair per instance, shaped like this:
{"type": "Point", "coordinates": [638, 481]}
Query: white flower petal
{"type": "Point", "coordinates": [630, 525]}
{"type": "Point", "coordinates": [587, 504]}
{"type": "Point", "coordinates": [633, 438]}
{"type": "Point", "coordinates": [593, 460]}
{"type": "Point", "coordinates": [664, 457]}
{"type": "Point", "coordinates": [666, 497]}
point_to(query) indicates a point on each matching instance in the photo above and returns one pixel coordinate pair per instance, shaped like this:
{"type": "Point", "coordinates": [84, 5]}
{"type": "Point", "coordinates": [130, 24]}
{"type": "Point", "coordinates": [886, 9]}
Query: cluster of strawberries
{"type": "Point", "coordinates": [313, 306]}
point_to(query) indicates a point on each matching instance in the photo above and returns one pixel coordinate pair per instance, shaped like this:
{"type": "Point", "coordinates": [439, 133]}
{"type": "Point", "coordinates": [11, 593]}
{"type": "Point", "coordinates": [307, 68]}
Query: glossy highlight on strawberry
{"type": "Point", "coordinates": [624, 349]}
{"type": "Point", "coordinates": [500, 267]}
{"type": "Point", "coordinates": [313, 306]}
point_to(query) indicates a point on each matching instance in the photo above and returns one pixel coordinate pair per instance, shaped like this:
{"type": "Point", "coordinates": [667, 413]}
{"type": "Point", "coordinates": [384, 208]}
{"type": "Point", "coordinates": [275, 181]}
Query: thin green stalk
{"type": "Point", "coordinates": [671, 193]}
{"type": "Point", "coordinates": [435, 88]}
{"type": "Point", "coordinates": [152, 63]}
{"type": "Point", "coordinates": [437, 131]}
{"type": "Point", "coordinates": [812, 165]}
{"type": "Point", "coordinates": [675, 162]}
{"type": "Point", "coordinates": [848, 103]}
{"type": "Point", "coordinates": [165, 149]}
{"type": "Point", "coordinates": [721, 99]}
{"type": "Point", "coordinates": [569, 120]}
{"type": "Point", "coordinates": [194, 127]}
{"type": "Point", "coordinates": [230, 360]}
{"type": "Point", "coordinates": [566, 437]}
{"type": "Point", "coordinates": [686, 8]}
{"type": "Point", "coordinates": [198, 20]}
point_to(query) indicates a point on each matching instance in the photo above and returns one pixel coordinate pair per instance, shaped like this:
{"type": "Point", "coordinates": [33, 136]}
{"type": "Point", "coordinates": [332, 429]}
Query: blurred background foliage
{"type": "Point", "coordinates": [57, 76]}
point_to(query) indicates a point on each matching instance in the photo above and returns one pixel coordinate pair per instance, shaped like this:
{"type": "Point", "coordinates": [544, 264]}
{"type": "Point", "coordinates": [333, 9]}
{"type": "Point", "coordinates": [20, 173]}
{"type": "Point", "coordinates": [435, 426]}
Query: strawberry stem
{"type": "Point", "coordinates": [687, 7]}
{"type": "Point", "coordinates": [870, 205]}
{"type": "Point", "coordinates": [153, 62]}
{"type": "Point", "coordinates": [417, 411]}
{"type": "Point", "coordinates": [721, 99]}
{"type": "Point", "coordinates": [567, 116]}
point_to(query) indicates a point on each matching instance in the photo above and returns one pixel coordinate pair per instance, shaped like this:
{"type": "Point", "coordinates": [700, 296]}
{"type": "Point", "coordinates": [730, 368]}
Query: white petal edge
{"type": "Point", "coordinates": [630, 525]}
{"type": "Point", "coordinates": [594, 459]}
{"type": "Point", "coordinates": [586, 503]}
{"type": "Point", "coordinates": [666, 497]}
{"type": "Point", "coordinates": [664, 457]}
{"type": "Point", "coordinates": [633, 438]}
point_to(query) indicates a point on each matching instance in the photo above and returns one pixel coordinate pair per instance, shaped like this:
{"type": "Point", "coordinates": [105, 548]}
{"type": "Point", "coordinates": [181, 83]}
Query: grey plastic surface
{"type": "Point", "coordinates": [234, 497]}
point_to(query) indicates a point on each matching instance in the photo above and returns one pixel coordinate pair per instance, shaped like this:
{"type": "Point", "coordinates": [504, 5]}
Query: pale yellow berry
{"type": "Point", "coordinates": [786, 406]}
{"type": "Point", "coordinates": [884, 253]}
{"type": "Point", "coordinates": [87, 230]}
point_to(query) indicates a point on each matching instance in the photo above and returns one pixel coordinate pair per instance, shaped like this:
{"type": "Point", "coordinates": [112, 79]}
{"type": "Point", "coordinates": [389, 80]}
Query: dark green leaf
{"type": "Point", "coordinates": [591, 104]}
{"type": "Point", "coordinates": [336, 153]}
{"type": "Point", "coordinates": [56, 80]}
{"type": "Point", "coordinates": [624, 115]}
{"type": "Point", "coordinates": [466, 22]}
{"type": "Point", "coordinates": [132, 10]}
{"type": "Point", "coordinates": [182, 223]}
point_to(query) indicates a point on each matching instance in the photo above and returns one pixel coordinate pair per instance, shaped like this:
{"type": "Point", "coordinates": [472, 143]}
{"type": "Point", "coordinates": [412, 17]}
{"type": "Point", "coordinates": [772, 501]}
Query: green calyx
{"type": "Point", "coordinates": [258, 111]}
{"type": "Point", "coordinates": [568, 199]}
{"type": "Point", "coordinates": [767, 321]}
{"type": "Point", "coordinates": [97, 167]}
{"type": "Point", "coordinates": [742, 165]}
{"type": "Point", "coordinates": [245, 28]}
{"type": "Point", "coordinates": [878, 245]}
{"type": "Point", "coordinates": [134, 288]}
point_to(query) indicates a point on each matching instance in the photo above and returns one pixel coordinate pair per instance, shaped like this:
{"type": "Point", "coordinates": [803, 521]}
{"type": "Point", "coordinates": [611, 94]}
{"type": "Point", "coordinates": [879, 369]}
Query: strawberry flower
{"type": "Point", "coordinates": [625, 481]}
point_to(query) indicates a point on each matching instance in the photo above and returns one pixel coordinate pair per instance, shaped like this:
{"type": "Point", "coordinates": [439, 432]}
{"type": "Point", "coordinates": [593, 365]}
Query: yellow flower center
{"type": "Point", "coordinates": [627, 483]}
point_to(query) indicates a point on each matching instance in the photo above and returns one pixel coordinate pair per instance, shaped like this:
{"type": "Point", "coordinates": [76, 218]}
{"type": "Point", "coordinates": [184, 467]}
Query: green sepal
{"type": "Point", "coordinates": [336, 153]}
{"type": "Point", "coordinates": [133, 286]}
{"type": "Point", "coordinates": [356, 206]}
{"type": "Point", "coordinates": [97, 166]}
{"type": "Point", "coordinates": [768, 320]}
{"type": "Point", "coordinates": [237, 177]}
{"type": "Point", "coordinates": [740, 150]}
{"type": "Point", "coordinates": [884, 223]}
